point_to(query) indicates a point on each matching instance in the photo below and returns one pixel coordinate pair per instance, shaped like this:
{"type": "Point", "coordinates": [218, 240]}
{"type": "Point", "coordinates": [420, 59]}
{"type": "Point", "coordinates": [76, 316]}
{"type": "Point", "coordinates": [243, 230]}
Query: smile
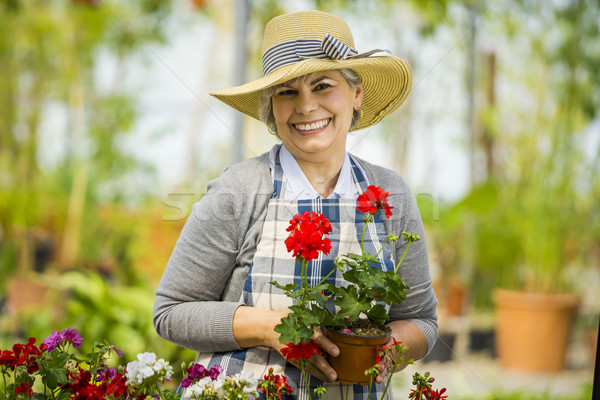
{"type": "Point", "coordinates": [312, 126]}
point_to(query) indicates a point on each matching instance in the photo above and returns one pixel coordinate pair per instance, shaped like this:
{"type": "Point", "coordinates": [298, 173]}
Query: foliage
{"type": "Point", "coordinates": [532, 218]}
{"type": "Point", "coordinates": [116, 313]}
{"type": "Point", "coordinates": [48, 55]}
{"type": "Point", "coordinates": [54, 370]}
{"type": "Point", "coordinates": [368, 287]}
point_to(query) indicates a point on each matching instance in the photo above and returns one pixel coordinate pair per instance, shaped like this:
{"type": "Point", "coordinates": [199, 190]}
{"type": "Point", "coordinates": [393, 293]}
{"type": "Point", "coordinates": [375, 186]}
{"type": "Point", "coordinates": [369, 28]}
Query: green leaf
{"type": "Point", "coordinates": [355, 257]}
{"type": "Point", "coordinates": [378, 313]}
{"type": "Point", "coordinates": [395, 289]}
{"type": "Point", "coordinates": [293, 331]}
{"type": "Point", "coordinates": [286, 288]}
{"type": "Point", "coordinates": [349, 303]}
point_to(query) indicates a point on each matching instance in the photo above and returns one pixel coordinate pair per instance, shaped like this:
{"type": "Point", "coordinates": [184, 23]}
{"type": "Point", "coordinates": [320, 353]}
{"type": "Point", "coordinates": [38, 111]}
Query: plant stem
{"type": "Point", "coordinates": [362, 241]}
{"type": "Point", "coordinates": [403, 255]}
{"type": "Point", "coordinates": [387, 385]}
{"type": "Point", "coordinates": [306, 382]}
{"type": "Point", "coordinates": [5, 388]}
{"type": "Point", "coordinates": [304, 281]}
{"type": "Point", "coordinates": [381, 249]}
{"type": "Point", "coordinates": [328, 275]}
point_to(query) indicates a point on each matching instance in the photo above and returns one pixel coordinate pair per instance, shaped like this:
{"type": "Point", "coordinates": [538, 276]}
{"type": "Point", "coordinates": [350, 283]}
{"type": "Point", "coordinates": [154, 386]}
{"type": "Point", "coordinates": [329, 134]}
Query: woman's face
{"type": "Point", "coordinates": [313, 115]}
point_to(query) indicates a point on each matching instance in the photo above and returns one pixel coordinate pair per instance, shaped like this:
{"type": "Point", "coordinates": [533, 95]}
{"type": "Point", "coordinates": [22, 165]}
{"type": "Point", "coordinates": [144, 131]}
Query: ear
{"type": "Point", "coordinates": [358, 98]}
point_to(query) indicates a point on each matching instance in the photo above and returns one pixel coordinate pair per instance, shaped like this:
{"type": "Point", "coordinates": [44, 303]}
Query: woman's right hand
{"type": "Point", "coordinates": [254, 326]}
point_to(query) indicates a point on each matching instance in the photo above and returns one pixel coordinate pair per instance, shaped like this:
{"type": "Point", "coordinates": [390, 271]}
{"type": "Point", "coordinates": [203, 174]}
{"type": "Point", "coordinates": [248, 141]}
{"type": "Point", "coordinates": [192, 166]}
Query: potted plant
{"type": "Point", "coordinates": [526, 243]}
{"type": "Point", "coordinates": [351, 315]}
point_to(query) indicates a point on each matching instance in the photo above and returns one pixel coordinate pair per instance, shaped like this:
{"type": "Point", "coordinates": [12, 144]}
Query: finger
{"type": "Point", "coordinates": [321, 364]}
{"type": "Point", "coordinates": [312, 370]}
{"type": "Point", "coordinates": [325, 344]}
{"type": "Point", "coordinates": [383, 371]}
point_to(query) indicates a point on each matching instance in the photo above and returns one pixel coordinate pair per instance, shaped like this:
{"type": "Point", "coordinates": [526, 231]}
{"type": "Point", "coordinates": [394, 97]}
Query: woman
{"type": "Point", "coordinates": [214, 296]}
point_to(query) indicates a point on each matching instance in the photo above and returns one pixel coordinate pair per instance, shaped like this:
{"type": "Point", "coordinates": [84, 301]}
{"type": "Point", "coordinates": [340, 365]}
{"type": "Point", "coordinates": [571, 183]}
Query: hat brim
{"type": "Point", "coordinates": [386, 83]}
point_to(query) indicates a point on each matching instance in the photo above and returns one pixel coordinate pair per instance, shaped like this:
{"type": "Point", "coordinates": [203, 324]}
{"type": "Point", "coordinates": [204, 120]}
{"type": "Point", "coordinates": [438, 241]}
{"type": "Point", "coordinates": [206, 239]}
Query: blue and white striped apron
{"type": "Point", "coordinates": [272, 262]}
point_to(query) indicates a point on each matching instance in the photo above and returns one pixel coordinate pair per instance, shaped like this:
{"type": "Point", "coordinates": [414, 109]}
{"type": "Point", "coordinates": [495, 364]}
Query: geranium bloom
{"type": "Point", "coordinates": [240, 386]}
{"type": "Point", "coordinates": [197, 371]}
{"type": "Point", "coordinates": [374, 199]}
{"type": "Point", "coordinates": [306, 236]}
{"type": "Point", "coordinates": [298, 351]}
{"type": "Point", "coordinates": [24, 388]}
{"type": "Point", "coordinates": [59, 338]}
{"type": "Point", "coordinates": [274, 386]}
{"type": "Point", "coordinates": [147, 367]}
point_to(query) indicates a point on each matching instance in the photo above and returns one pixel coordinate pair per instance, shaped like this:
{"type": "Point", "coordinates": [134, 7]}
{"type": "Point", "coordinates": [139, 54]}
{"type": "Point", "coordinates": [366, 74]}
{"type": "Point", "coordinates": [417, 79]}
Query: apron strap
{"type": "Point", "coordinates": [279, 178]}
{"type": "Point", "coordinates": [359, 178]}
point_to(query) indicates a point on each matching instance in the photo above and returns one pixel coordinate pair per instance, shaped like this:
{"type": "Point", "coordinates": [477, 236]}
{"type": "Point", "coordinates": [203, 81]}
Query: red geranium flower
{"type": "Point", "coordinates": [374, 199]}
{"type": "Point", "coordinates": [306, 236]}
{"type": "Point", "coordinates": [24, 388]}
{"type": "Point", "coordinates": [300, 350]}
{"type": "Point", "coordinates": [274, 386]}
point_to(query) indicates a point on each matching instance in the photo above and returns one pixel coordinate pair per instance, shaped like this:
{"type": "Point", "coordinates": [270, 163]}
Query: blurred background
{"type": "Point", "coordinates": [108, 136]}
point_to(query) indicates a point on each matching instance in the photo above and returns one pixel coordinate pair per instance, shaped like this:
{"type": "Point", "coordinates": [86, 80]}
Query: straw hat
{"type": "Point", "coordinates": [309, 41]}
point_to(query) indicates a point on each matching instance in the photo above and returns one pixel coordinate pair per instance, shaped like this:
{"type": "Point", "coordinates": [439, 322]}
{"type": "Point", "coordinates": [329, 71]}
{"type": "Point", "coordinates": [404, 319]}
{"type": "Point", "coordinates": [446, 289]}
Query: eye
{"type": "Point", "coordinates": [285, 92]}
{"type": "Point", "coordinates": [322, 86]}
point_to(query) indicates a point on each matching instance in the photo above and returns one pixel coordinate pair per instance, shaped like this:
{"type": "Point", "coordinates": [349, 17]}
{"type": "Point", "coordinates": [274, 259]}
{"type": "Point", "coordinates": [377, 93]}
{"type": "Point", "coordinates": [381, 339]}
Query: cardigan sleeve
{"type": "Point", "coordinates": [200, 289]}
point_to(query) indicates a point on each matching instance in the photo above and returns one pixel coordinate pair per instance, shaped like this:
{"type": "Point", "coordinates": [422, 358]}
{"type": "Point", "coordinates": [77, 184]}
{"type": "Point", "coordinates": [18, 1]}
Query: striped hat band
{"type": "Point", "coordinates": [292, 51]}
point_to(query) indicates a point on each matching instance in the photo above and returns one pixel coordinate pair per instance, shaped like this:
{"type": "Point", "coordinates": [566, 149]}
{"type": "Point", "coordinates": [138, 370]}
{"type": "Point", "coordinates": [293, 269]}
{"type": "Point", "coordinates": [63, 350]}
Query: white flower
{"type": "Point", "coordinates": [243, 383]}
{"type": "Point", "coordinates": [204, 386]}
{"type": "Point", "coordinates": [147, 366]}
{"type": "Point", "coordinates": [163, 368]}
{"type": "Point", "coordinates": [147, 358]}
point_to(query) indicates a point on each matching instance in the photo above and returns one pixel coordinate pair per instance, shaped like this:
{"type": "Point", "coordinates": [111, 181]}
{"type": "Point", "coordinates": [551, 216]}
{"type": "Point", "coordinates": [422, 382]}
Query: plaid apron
{"type": "Point", "coordinates": [273, 263]}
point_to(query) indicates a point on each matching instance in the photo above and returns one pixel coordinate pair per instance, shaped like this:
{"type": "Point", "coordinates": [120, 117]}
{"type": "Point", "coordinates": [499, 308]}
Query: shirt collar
{"type": "Point", "coordinates": [299, 188]}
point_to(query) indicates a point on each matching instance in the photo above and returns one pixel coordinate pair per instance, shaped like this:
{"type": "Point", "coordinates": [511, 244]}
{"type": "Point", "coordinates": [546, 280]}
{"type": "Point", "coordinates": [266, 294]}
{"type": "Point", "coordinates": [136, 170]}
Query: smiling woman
{"type": "Point", "coordinates": [215, 295]}
{"type": "Point", "coordinates": [313, 115]}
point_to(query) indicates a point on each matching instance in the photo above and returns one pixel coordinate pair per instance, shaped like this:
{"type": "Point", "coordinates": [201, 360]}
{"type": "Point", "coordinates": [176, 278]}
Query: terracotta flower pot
{"type": "Point", "coordinates": [357, 353]}
{"type": "Point", "coordinates": [532, 329]}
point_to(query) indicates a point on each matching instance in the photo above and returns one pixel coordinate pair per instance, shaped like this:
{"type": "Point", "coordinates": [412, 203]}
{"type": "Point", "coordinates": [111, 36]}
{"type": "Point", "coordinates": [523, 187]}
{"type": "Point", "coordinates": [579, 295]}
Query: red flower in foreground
{"type": "Point", "coordinates": [306, 236]}
{"type": "Point", "coordinates": [301, 350]}
{"type": "Point", "coordinates": [274, 386]}
{"type": "Point", "coordinates": [374, 199]}
{"type": "Point", "coordinates": [24, 388]}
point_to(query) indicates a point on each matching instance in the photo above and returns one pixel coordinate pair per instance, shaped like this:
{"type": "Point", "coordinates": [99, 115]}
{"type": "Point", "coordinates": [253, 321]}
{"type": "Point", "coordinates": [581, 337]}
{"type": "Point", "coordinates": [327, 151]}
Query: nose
{"type": "Point", "coordinates": [305, 102]}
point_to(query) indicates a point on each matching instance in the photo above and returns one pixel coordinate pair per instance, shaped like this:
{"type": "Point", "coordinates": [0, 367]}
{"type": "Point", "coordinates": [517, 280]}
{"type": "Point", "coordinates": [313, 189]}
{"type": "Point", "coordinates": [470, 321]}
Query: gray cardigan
{"type": "Point", "coordinates": [203, 280]}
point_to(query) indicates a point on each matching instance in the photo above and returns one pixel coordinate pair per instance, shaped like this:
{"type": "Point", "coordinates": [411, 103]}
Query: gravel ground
{"type": "Point", "coordinates": [481, 376]}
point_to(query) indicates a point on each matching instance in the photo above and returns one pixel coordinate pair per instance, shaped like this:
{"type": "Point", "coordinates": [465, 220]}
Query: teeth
{"type": "Point", "coordinates": [313, 126]}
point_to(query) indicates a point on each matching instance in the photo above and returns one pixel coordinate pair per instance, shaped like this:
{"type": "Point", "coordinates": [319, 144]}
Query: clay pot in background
{"type": "Point", "coordinates": [532, 329]}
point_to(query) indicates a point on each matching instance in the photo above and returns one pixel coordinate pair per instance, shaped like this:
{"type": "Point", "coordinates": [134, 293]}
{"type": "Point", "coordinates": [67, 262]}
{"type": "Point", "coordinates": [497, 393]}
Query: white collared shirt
{"type": "Point", "coordinates": [298, 187]}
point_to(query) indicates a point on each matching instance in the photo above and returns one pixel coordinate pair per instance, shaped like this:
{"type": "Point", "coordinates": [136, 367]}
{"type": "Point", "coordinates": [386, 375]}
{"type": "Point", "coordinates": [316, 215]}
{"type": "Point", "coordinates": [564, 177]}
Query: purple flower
{"type": "Point", "coordinates": [57, 338]}
{"type": "Point", "coordinates": [111, 373]}
{"type": "Point", "coordinates": [72, 336]}
{"type": "Point", "coordinates": [113, 347]}
{"type": "Point", "coordinates": [195, 372]}
{"type": "Point", "coordinates": [215, 372]}
{"type": "Point", "coordinates": [53, 340]}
